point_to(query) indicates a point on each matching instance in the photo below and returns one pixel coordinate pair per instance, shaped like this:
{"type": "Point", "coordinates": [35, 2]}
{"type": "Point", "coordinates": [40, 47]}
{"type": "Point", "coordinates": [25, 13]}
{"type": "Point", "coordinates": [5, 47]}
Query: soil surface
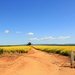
{"type": "Point", "coordinates": [35, 63]}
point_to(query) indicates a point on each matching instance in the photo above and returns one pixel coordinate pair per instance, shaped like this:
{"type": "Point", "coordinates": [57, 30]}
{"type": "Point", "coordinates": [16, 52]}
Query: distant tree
{"type": "Point", "coordinates": [29, 43]}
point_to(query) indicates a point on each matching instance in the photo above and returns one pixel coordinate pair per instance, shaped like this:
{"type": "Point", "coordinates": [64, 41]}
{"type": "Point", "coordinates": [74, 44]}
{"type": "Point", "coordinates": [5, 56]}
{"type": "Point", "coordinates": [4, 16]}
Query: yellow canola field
{"type": "Point", "coordinates": [64, 50]}
{"type": "Point", "coordinates": [13, 49]}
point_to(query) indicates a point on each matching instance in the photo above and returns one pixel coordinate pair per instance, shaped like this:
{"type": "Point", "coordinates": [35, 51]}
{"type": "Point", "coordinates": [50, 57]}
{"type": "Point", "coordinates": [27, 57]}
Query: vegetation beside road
{"type": "Point", "coordinates": [63, 50]}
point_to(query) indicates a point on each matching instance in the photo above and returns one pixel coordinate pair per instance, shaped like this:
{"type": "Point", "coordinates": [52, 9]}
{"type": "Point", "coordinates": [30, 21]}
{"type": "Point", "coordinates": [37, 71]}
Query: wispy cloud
{"type": "Point", "coordinates": [47, 38]}
{"type": "Point", "coordinates": [6, 31]}
{"type": "Point", "coordinates": [64, 37]}
{"type": "Point", "coordinates": [35, 39]}
{"type": "Point", "coordinates": [50, 38]}
{"type": "Point", "coordinates": [18, 32]}
{"type": "Point", "coordinates": [30, 34]}
{"type": "Point", "coordinates": [41, 39]}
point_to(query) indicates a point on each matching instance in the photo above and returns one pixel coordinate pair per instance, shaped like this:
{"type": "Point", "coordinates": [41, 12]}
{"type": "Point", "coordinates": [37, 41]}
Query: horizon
{"type": "Point", "coordinates": [37, 21]}
{"type": "Point", "coordinates": [72, 44]}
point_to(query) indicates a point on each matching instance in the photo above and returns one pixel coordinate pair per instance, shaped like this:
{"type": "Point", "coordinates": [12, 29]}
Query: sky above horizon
{"type": "Point", "coordinates": [37, 21]}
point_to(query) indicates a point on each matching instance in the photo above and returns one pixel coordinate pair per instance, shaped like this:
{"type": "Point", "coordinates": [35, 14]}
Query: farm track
{"type": "Point", "coordinates": [35, 63]}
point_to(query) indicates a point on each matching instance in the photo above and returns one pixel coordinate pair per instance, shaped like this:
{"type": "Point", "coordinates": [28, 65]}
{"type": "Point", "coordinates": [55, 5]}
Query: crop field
{"type": "Point", "coordinates": [14, 49]}
{"type": "Point", "coordinates": [63, 50]}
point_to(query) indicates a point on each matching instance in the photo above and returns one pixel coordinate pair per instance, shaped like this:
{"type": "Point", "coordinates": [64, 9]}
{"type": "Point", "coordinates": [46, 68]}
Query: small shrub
{"type": "Point", "coordinates": [29, 43]}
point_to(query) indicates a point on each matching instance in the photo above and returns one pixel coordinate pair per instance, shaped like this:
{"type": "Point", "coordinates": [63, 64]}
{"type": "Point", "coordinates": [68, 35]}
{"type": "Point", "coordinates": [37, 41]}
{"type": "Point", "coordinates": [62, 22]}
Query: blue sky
{"type": "Point", "coordinates": [37, 21]}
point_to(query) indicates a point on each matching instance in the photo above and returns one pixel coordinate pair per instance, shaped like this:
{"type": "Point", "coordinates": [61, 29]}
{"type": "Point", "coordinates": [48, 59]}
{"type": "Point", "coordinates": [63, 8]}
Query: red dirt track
{"type": "Point", "coordinates": [35, 63]}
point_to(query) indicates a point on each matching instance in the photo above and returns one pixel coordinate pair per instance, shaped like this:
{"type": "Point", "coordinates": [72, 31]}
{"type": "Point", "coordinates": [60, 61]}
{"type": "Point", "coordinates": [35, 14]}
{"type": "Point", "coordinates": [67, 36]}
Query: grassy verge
{"type": "Point", "coordinates": [14, 49]}
{"type": "Point", "coordinates": [63, 50]}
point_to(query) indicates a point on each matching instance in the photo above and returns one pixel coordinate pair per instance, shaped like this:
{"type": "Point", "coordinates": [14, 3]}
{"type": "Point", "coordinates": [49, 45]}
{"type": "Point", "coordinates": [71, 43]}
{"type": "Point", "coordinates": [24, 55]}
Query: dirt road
{"type": "Point", "coordinates": [35, 63]}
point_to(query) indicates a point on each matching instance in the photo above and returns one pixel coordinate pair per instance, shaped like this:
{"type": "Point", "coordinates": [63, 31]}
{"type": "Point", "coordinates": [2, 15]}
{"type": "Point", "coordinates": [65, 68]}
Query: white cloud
{"type": "Point", "coordinates": [34, 39]}
{"type": "Point", "coordinates": [18, 32]}
{"type": "Point", "coordinates": [50, 38]}
{"type": "Point", "coordinates": [47, 38]}
{"type": "Point", "coordinates": [63, 37]}
{"type": "Point", "coordinates": [6, 31]}
{"type": "Point", "coordinates": [30, 34]}
{"type": "Point", "coordinates": [41, 39]}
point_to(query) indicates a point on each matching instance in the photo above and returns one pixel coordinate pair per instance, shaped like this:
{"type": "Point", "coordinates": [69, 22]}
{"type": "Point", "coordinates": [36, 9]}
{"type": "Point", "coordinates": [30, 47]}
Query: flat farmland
{"type": "Point", "coordinates": [63, 50]}
{"type": "Point", "coordinates": [33, 62]}
{"type": "Point", "coordinates": [14, 49]}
